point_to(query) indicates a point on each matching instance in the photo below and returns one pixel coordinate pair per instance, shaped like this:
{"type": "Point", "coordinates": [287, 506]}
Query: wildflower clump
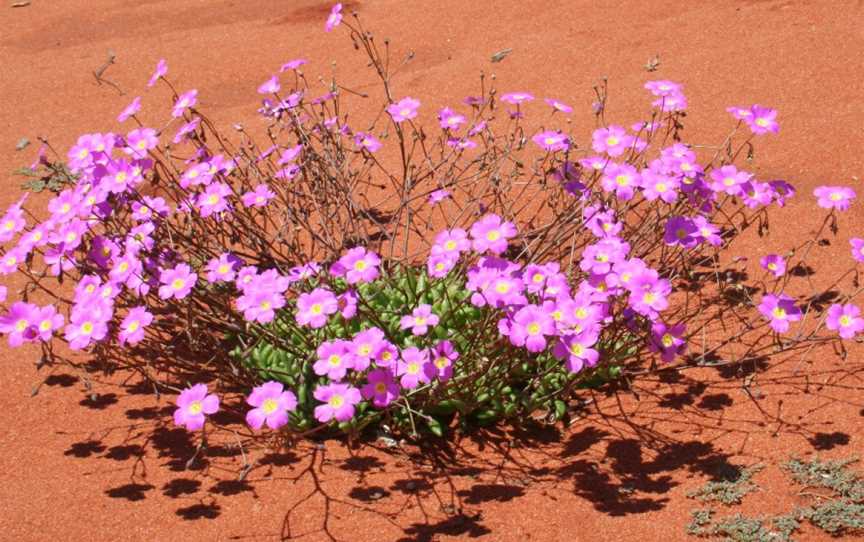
{"type": "Point", "coordinates": [393, 274]}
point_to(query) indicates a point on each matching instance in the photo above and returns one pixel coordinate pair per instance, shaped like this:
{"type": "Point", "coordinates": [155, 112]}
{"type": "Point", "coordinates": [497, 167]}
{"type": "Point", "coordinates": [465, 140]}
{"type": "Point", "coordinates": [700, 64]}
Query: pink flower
{"type": "Point", "coordinates": [845, 319]}
{"type": "Point", "coordinates": [185, 130]}
{"type": "Point", "coordinates": [272, 404]}
{"type": "Point", "coordinates": [161, 70]}
{"type": "Point", "coordinates": [438, 196]}
{"type": "Point", "coordinates": [577, 351]}
{"type": "Point", "coordinates": [184, 101]}
{"type": "Point", "coordinates": [529, 328]}
{"type": "Point", "coordinates": [17, 321]}
{"type": "Point", "coordinates": [357, 265]}
{"type": "Point", "coordinates": [762, 120]}
{"type": "Point", "coordinates": [667, 340]}
{"type": "Point", "coordinates": [558, 106]}
{"type": "Point", "coordinates": [334, 359]}
{"type": "Point", "coordinates": [834, 197]}
{"type": "Point", "coordinates": [414, 368]}
{"type": "Point", "coordinates": [314, 307]}
{"type": "Point", "coordinates": [613, 140]}
{"type": "Point", "coordinates": [193, 405]}
{"type": "Point", "coordinates": [491, 233]}
{"type": "Point", "coordinates": [450, 120]}
{"type": "Point", "coordinates": [780, 311]}
{"type": "Point", "coordinates": [132, 327]}
{"type": "Point", "coordinates": [444, 355]}
{"type": "Point", "coordinates": [404, 109]}
{"type": "Point", "coordinates": [339, 401]}
{"type": "Point", "coordinates": [258, 197]}
{"type": "Point", "coordinates": [380, 388]}
{"type": "Point", "coordinates": [516, 98]}
{"type": "Point", "coordinates": [270, 86]}
{"type": "Point", "coordinates": [551, 141]}
{"type": "Point", "coordinates": [214, 199]}
{"type": "Point", "coordinates": [292, 64]}
{"type": "Point", "coordinates": [141, 140]}
{"type": "Point", "coordinates": [420, 320]}
{"type": "Point", "coordinates": [333, 21]}
{"type": "Point", "coordinates": [774, 263]}
{"type": "Point", "coordinates": [130, 110]}
{"type": "Point", "coordinates": [663, 88]}
{"type": "Point", "coordinates": [367, 141]}
{"type": "Point", "coordinates": [176, 282]}
{"type": "Point", "coordinates": [857, 249]}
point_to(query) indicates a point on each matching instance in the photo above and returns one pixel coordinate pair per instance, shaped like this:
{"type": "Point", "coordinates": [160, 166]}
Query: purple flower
{"type": "Point", "coordinates": [176, 282]}
{"type": "Point", "coordinates": [367, 141]}
{"type": "Point", "coordinates": [668, 341]}
{"type": "Point", "coordinates": [420, 320]}
{"type": "Point", "coordinates": [347, 303]}
{"type": "Point", "coordinates": [17, 321]}
{"type": "Point", "coordinates": [439, 265]}
{"type": "Point", "coordinates": [663, 88]}
{"type": "Point", "coordinates": [782, 191]}
{"type": "Point", "coordinates": [602, 255]}
{"type": "Point", "coordinates": [184, 101]}
{"type": "Point", "coordinates": [386, 355]}
{"type": "Point", "coordinates": [193, 405]}
{"type": "Point", "coordinates": [576, 351]}
{"type": "Point", "coordinates": [444, 355]}
{"type": "Point", "coordinates": [381, 388]}
{"type": "Point", "coordinates": [185, 130]}
{"type": "Point", "coordinates": [516, 98]}
{"type": "Point", "coordinates": [613, 140]}
{"type": "Point", "coordinates": [708, 232]}
{"type": "Point", "coordinates": [780, 311]}
{"type": "Point", "coordinates": [672, 102]}
{"type": "Point", "coordinates": [451, 243]}
{"type": "Point", "coordinates": [857, 249]}
{"type": "Point", "coordinates": [762, 120]}
{"type": "Point", "coordinates": [834, 197]}
{"type": "Point", "coordinates": [339, 401]}
{"type": "Point", "coordinates": [272, 404]}
{"type": "Point", "coordinates": [774, 263]}
{"type": "Point", "coordinates": [491, 233]}
{"type": "Point", "coordinates": [270, 86]}
{"type": "Point", "coordinates": [656, 185]}
{"type": "Point", "coordinates": [845, 319]}
{"type": "Point", "coordinates": [332, 22]}
{"type": "Point", "coordinates": [414, 368]}
{"type": "Point", "coordinates": [334, 359]}
{"type": "Point", "coordinates": [681, 231]}
{"type": "Point", "coordinates": [357, 265]}
{"type": "Point", "coordinates": [258, 197]}
{"type": "Point", "coordinates": [130, 110]}
{"type": "Point", "coordinates": [403, 110]}
{"type": "Point", "coordinates": [161, 70]}
{"type": "Point", "coordinates": [558, 106]}
{"type": "Point", "coordinates": [649, 294]}
{"type": "Point", "coordinates": [529, 328]}
{"type": "Point", "coordinates": [132, 327]}
{"type": "Point", "coordinates": [314, 307]}
{"type": "Point", "coordinates": [551, 141]}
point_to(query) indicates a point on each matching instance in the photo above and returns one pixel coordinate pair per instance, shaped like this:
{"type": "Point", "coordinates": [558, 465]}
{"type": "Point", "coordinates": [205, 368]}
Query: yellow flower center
{"type": "Point", "coordinates": [21, 325]}
{"type": "Point", "coordinates": [269, 406]}
{"type": "Point", "coordinates": [336, 401]}
{"type": "Point", "coordinates": [493, 235]}
{"type": "Point", "coordinates": [772, 266]}
{"type": "Point", "coordinates": [386, 355]}
{"type": "Point", "coordinates": [223, 269]}
{"type": "Point", "coordinates": [533, 328]}
{"type": "Point", "coordinates": [622, 180]}
{"type": "Point", "coordinates": [212, 199]}
{"type": "Point", "coordinates": [537, 278]}
{"type": "Point", "coordinates": [413, 368]}
{"type": "Point", "coordinates": [45, 325]}
{"type": "Point", "coordinates": [265, 305]}
{"type": "Point", "coordinates": [729, 181]}
{"type": "Point", "coordinates": [195, 407]}
{"type": "Point", "coordinates": [359, 265]}
{"type": "Point", "coordinates": [581, 313]}
{"type": "Point", "coordinates": [133, 326]}
{"type": "Point", "coordinates": [9, 225]}
{"type": "Point", "coordinates": [667, 340]}
{"type": "Point", "coordinates": [836, 196]}
{"type": "Point", "coordinates": [761, 122]}
{"type": "Point", "coordinates": [87, 328]}
{"type": "Point", "coordinates": [779, 313]}
{"type": "Point", "coordinates": [450, 245]}
{"type": "Point", "coordinates": [612, 141]}
{"type": "Point", "coordinates": [419, 321]}
{"type": "Point", "coordinates": [577, 349]}
{"type": "Point", "coordinates": [502, 287]}
{"type": "Point", "coordinates": [556, 315]}
{"type": "Point", "coordinates": [441, 362]}
{"type": "Point", "coordinates": [123, 267]}
{"type": "Point", "coordinates": [661, 187]}
{"type": "Point", "coordinates": [845, 320]}
{"type": "Point", "coordinates": [649, 297]}
{"type": "Point", "coordinates": [178, 284]}
{"type": "Point", "coordinates": [334, 360]}
{"type": "Point", "coordinates": [380, 388]}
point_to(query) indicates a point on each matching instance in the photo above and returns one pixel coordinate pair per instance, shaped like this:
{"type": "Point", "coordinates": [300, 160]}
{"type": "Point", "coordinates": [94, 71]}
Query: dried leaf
{"type": "Point", "coordinates": [501, 55]}
{"type": "Point", "coordinates": [22, 4]}
{"type": "Point", "coordinates": [22, 144]}
{"type": "Point", "coordinates": [653, 63]}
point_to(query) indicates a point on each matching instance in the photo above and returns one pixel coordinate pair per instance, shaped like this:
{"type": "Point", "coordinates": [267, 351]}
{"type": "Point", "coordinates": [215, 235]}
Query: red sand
{"type": "Point", "coordinates": [109, 468]}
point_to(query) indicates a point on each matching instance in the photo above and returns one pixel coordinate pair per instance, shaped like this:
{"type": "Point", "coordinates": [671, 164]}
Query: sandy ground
{"type": "Point", "coordinates": [109, 467]}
